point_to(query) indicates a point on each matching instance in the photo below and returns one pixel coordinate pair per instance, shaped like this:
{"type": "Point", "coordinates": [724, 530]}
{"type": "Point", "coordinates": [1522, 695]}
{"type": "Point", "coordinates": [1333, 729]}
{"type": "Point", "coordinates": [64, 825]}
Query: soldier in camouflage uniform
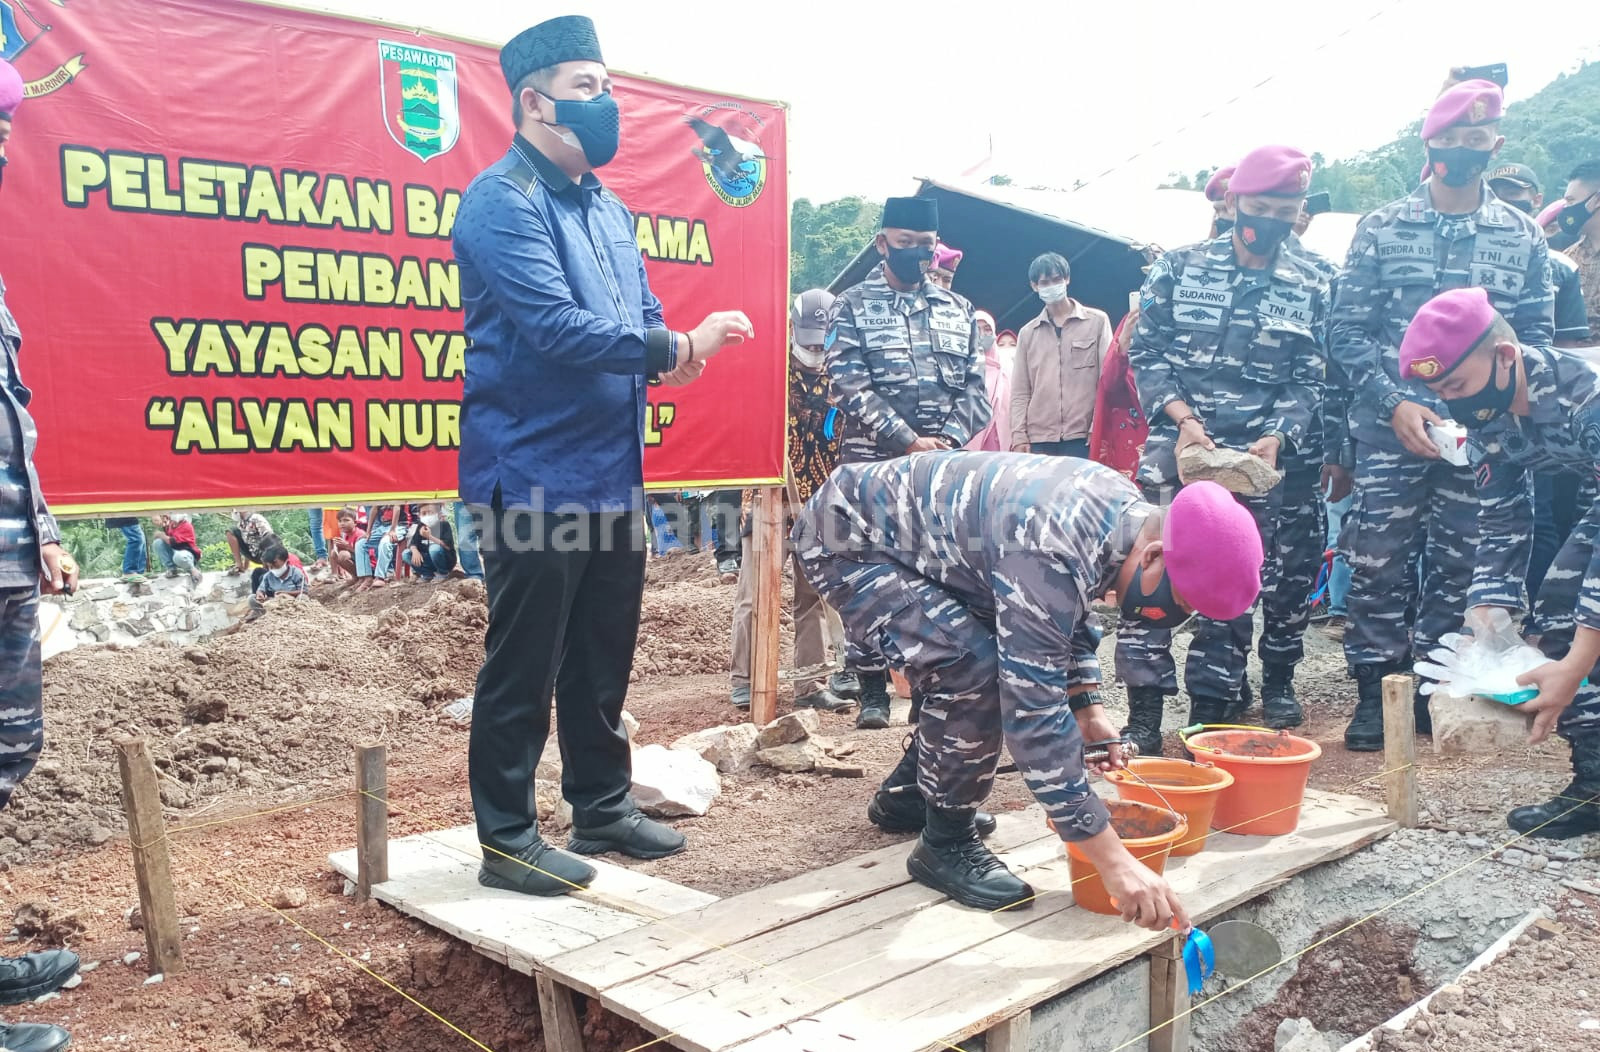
{"type": "Point", "coordinates": [906, 374]}
{"type": "Point", "coordinates": [1229, 350]}
{"type": "Point", "coordinates": [1449, 233]}
{"type": "Point", "coordinates": [1544, 416]}
{"type": "Point", "coordinates": [977, 571]}
{"type": "Point", "coordinates": [31, 557]}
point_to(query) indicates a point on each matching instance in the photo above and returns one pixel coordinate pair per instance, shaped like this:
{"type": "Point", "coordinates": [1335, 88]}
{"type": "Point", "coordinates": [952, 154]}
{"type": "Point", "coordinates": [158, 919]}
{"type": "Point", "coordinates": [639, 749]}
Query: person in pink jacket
{"type": "Point", "coordinates": [997, 383]}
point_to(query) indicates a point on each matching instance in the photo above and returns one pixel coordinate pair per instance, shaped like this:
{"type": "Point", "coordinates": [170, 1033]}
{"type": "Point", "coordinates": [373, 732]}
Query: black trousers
{"type": "Point", "coordinates": [564, 596]}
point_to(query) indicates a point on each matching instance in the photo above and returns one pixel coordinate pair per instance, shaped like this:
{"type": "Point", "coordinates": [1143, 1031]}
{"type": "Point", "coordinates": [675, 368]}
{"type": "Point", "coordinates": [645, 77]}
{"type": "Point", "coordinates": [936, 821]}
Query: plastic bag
{"type": "Point", "coordinates": [1487, 662]}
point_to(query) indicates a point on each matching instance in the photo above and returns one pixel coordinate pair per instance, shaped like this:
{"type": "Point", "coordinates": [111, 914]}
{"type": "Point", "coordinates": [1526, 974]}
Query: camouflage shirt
{"type": "Point", "coordinates": [904, 365]}
{"type": "Point", "coordinates": [1403, 255]}
{"type": "Point", "coordinates": [1561, 432]}
{"type": "Point", "coordinates": [25, 523]}
{"type": "Point", "coordinates": [1242, 348]}
{"type": "Point", "coordinates": [1025, 543]}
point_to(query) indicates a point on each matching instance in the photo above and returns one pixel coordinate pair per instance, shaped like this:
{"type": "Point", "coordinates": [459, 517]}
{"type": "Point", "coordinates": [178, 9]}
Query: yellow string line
{"type": "Point", "coordinates": [1352, 926]}
{"type": "Point", "coordinates": [249, 894]}
{"type": "Point", "coordinates": [167, 834]}
{"type": "Point", "coordinates": [812, 983]}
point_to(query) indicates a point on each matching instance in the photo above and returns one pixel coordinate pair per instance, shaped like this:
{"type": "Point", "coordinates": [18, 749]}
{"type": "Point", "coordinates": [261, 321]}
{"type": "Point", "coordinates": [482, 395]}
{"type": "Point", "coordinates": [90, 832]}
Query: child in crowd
{"type": "Point", "coordinates": [176, 545]}
{"type": "Point", "coordinates": [342, 548]}
{"type": "Point", "coordinates": [375, 555]}
{"type": "Point", "coordinates": [433, 545]}
{"type": "Point", "coordinates": [281, 578]}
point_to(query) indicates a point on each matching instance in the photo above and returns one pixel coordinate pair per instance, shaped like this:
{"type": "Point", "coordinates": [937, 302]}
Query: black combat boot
{"type": "Point", "coordinates": [874, 714]}
{"type": "Point", "coordinates": [949, 857]}
{"type": "Point", "coordinates": [1145, 708]}
{"type": "Point", "coordinates": [1238, 709]}
{"type": "Point", "coordinates": [1365, 733]}
{"type": "Point", "coordinates": [898, 806]}
{"type": "Point", "coordinates": [1207, 710]}
{"type": "Point", "coordinates": [1419, 708]}
{"type": "Point", "coordinates": [1280, 709]}
{"type": "Point", "coordinates": [1568, 815]}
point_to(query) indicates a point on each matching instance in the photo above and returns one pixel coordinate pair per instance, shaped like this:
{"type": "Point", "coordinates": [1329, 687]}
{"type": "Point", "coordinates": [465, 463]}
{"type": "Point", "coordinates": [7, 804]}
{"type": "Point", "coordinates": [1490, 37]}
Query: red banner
{"type": "Point", "coordinates": [226, 235]}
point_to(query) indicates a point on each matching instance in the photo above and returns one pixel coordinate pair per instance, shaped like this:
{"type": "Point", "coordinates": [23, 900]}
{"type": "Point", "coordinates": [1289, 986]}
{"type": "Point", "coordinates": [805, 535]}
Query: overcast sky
{"type": "Point", "coordinates": [884, 92]}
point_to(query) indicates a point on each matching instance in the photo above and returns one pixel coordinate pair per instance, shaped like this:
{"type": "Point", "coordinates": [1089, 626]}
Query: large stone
{"type": "Point", "coordinates": [729, 748]}
{"type": "Point", "coordinates": [788, 729]}
{"type": "Point", "coordinates": [1476, 726]}
{"type": "Point", "coordinates": [673, 782]}
{"type": "Point", "coordinates": [1232, 469]}
{"type": "Point", "coordinates": [794, 757]}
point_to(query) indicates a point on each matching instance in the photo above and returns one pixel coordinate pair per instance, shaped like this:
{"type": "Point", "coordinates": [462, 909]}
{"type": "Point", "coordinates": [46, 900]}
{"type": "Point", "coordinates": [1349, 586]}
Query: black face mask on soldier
{"type": "Point", "coordinates": [907, 263]}
{"type": "Point", "coordinates": [1478, 410]}
{"type": "Point", "coordinates": [1224, 224]}
{"type": "Point", "coordinates": [1524, 206]}
{"type": "Point", "coordinates": [1569, 222]}
{"type": "Point", "coordinates": [1262, 234]}
{"type": "Point", "coordinates": [1157, 608]}
{"type": "Point", "coordinates": [1458, 166]}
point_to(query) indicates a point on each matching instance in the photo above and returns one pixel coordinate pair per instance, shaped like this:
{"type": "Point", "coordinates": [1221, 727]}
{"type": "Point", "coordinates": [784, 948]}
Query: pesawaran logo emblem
{"type": "Point", "coordinates": [420, 106]}
{"type": "Point", "coordinates": [730, 152]}
{"type": "Point", "coordinates": [18, 35]}
{"type": "Point", "coordinates": [1427, 368]}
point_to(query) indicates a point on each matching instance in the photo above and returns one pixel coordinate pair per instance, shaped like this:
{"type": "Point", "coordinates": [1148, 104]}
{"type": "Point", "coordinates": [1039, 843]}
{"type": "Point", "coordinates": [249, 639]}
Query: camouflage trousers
{"type": "Point", "coordinates": [21, 690]}
{"type": "Point", "coordinates": [1404, 507]}
{"type": "Point", "coordinates": [1219, 650]}
{"type": "Point", "coordinates": [1302, 527]}
{"type": "Point", "coordinates": [951, 657]}
{"type": "Point", "coordinates": [1554, 618]}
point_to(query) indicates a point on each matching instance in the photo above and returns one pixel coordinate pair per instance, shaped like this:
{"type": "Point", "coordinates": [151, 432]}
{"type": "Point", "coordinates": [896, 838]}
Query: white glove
{"type": "Point", "coordinates": [1486, 662]}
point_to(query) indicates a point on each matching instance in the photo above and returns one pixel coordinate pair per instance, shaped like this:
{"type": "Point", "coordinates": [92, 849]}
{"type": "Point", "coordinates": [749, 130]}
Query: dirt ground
{"type": "Point", "coordinates": [265, 718]}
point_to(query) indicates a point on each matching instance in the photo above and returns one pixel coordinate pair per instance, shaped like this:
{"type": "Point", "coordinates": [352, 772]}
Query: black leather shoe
{"type": "Point", "coordinates": [845, 684]}
{"type": "Point", "coordinates": [874, 715]}
{"type": "Point", "coordinates": [949, 857]}
{"type": "Point", "coordinates": [1365, 733]}
{"type": "Point", "coordinates": [1146, 706]}
{"type": "Point", "coordinates": [34, 975]}
{"type": "Point", "coordinates": [1280, 709]}
{"type": "Point", "coordinates": [824, 699]}
{"type": "Point", "coordinates": [33, 1037]}
{"type": "Point", "coordinates": [635, 836]}
{"type": "Point", "coordinates": [537, 869]}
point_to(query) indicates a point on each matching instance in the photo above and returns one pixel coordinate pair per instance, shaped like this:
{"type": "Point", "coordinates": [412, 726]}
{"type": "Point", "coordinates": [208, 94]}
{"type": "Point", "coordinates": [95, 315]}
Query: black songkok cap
{"type": "Point", "coordinates": [566, 38]}
{"type": "Point", "coordinates": [911, 213]}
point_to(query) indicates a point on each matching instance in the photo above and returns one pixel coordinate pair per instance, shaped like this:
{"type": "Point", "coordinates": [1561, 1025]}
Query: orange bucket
{"type": "Point", "coordinates": [1269, 771]}
{"type": "Point", "coordinates": [1147, 832]}
{"type": "Point", "coordinates": [1191, 789]}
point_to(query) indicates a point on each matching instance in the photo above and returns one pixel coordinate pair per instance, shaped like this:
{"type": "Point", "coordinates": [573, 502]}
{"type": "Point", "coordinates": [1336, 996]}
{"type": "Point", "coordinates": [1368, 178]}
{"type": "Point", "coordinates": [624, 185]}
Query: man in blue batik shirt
{"type": "Point", "coordinates": [565, 334]}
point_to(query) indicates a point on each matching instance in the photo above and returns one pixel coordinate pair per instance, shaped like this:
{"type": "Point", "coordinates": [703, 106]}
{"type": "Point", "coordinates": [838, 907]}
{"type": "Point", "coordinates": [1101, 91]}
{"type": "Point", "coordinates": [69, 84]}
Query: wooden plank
{"type": "Point", "coordinates": [1169, 998]}
{"type": "Point", "coordinates": [788, 951]}
{"type": "Point", "coordinates": [767, 549]}
{"type": "Point", "coordinates": [372, 819]}
{"type": "Point", "coordinates": [152, 865]}
{"type": "Point", "coordinates": [558, 1016]}
{"type": "Point", "coordinates": [1012, 1035]}
{"type": "Point", "coordinates": [618, 960]}
{"type": "Point", "coordinates": [965, 994]}
{"type": "Point", "coordinates": [440, 886]}
{"type": "Point", "coordinates": [1400, 749]}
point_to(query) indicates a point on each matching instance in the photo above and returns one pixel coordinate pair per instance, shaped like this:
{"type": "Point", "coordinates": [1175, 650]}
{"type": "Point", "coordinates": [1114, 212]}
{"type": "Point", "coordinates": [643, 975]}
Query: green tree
{"type": "Point", "coordinates": [823, 239]}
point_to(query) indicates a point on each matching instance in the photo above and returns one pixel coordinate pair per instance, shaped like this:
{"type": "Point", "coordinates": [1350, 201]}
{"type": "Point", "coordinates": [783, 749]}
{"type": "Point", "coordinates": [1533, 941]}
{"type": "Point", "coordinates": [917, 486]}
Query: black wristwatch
{"type": "Point", "coordinates": [1079, 702]}
{"type": "Point", "coordinates": [1389, 403]}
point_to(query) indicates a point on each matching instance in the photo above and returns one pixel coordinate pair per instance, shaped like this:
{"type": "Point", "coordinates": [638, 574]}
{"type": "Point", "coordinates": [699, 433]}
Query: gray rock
{"type": "Point", "coordinates": [1232, 469]}
{"type": "Point", "coordinates": [1475, 726]}
{"type": "Point", "coordinates": [730, 748]}
{"type": "Point", "coordinates": [673, 782]}
{"type": "Point", "coordinates": [788, 729]}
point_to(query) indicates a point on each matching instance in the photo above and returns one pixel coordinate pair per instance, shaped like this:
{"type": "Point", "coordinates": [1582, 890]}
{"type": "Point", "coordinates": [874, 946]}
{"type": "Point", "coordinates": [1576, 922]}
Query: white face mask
{"type": "Point", "coordinates": [430, 521]}
{"type": "Point", "coordinates": [1053, 293]}
{"type": "Point", "coordinates": [808, 359]}
{"type": "Point", "coordinates": [284, 572]}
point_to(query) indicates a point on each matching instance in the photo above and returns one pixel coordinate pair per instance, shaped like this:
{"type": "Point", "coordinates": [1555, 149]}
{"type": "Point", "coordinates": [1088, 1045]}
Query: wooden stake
{"type": "Point", "coordinates": [152, 866]}
{"type": "Point", "coordinates": [1011, 1035]}
{"type": "Point", "coordinates": [768, 549]}
{"type": "Point", "coordinates": [1169, 998]}
{"type": "Point", "coordinates": [1400, 749]}
{"type": "Point", "coordinates": [372, 819]}
{"type": "Point", "coordinates": [558, 1016]}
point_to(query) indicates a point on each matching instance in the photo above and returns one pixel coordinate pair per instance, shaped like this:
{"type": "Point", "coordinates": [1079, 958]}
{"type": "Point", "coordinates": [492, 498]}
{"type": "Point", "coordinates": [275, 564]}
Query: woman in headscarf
{"type": "Point", "coordinates": [997, 384]}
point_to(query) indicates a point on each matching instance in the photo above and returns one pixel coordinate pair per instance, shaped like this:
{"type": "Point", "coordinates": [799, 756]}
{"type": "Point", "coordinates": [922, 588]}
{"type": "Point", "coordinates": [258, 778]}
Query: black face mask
{"type": "Point", "coordinates": [1224, 224]}
{"type": "Point", "coordinates": [1524, 206]}
{"type": "Point", "coordinates": [1157, 609]}
{"type": "Point", "coordinates": [1570, 223]}
{"type": "Point", "coordinates": [1263, 234]}
{"type": "Point", "coordinates": [907, 263]}
{"type": "Point", "coordinates": [1458, 166]}
{"type": "Point", "coordinates": [1478, 410]}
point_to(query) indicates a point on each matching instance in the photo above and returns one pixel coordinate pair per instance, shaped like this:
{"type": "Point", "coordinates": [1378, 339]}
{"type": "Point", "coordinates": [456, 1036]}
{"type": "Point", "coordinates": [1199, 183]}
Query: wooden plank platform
{"type": "Point", "coordinates": [853, 956]}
